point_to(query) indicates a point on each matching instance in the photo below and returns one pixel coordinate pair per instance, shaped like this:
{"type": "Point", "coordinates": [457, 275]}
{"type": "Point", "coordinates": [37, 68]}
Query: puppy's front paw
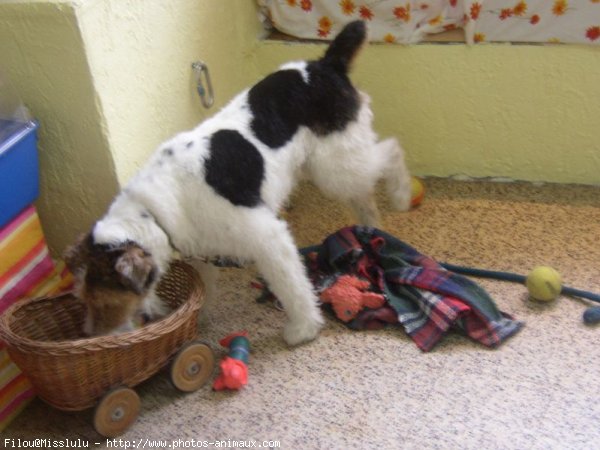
{"type": "Point", "coordinates": [298, 332]}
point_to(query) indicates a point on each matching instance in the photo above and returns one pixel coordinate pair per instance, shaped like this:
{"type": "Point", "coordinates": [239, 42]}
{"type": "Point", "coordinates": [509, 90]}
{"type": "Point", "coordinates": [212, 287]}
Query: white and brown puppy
{"type": "Point", "coordinates": [216, 191]}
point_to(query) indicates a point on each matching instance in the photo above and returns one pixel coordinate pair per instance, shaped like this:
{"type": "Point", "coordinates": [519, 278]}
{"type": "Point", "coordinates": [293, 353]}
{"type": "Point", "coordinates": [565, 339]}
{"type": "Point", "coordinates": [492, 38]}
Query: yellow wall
{"type": "Point", "coordinates": [110, 79]}
{"type": "Point", "coordinates": [42, 52]}
{"type": "Point", "coordinates": [525, 112]}
{"type": "Point", "coordinates": [140, 54]}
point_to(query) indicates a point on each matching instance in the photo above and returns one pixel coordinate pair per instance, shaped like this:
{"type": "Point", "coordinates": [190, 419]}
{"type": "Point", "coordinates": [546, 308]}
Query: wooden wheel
{"type": "Point", "coordinates": [192, 366]}
{"type": "Point", "coordinates": [116, 412]}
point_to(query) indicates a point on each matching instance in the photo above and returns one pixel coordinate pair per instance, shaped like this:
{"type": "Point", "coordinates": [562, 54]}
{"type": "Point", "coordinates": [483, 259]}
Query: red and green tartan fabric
{"type": "Point", "coordinates": [426, 299]}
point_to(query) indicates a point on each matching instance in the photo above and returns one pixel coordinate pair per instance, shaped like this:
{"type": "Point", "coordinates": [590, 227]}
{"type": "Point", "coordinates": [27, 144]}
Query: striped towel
{"type": "Point", "coordinates": [15, 390]}
{"type": "Point", "coordinates": [426, 299]}
{"type": "Point", "coordinates": [25, 264]}
{"type": "Point", "coordinates": [26, 270]}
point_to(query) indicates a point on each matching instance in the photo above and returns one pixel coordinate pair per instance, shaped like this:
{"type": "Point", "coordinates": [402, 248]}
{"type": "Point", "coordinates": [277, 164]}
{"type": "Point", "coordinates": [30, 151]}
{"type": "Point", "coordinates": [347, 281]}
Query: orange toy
{"type": "Point", "coordinates": [417, 190]}
{"type": "Point", "coordinates": [234, 367]}
{"type": "Point", "coordinates": [348, 296]}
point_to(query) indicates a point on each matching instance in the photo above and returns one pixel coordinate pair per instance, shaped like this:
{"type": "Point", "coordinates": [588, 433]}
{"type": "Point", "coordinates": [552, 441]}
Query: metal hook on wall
{"type": "Point", "coordinates": [204, 88]}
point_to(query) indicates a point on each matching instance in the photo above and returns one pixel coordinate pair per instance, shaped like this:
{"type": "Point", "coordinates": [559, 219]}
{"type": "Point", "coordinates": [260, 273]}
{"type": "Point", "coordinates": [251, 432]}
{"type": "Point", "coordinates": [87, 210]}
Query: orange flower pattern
{"type": "Point", "coordinates": [520, 20]}
{"type": "Point", "coordinates": [306, 5]}
{"type": "Point", "coordinates": [436, 20]}
{"type": "Point", "coordinates": [403, 12]}
{"type": "Point", "coordinates": [366, 13]}
{"type": "Point", "coordinates": [389, 38]}
{"type": "Point", "coordinates": [560, 7]}
{"type": "Point", "coordinates": [404, 21]}
{"type": "Point", "coordinates": [506, 13]}
{"type": "Point", "coordinates": [593, 33]}
{"type": "Point", "coordinates": [475, 10]}
{"type": "Point", "coordinates": [324, 26]}
{"type": "Point", "coordinates": [348, 7]}
{"type": "Point", "coordinates": [520, 9]}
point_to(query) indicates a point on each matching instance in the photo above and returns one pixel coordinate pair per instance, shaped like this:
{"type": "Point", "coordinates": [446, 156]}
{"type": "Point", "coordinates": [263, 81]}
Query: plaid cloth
{"type": "Point", "coordinates": [426, 299]}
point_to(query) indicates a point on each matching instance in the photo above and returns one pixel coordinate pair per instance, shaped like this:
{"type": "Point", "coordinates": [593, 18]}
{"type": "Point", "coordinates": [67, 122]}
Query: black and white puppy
{"type": "Point", "coordinates": [216, 190]}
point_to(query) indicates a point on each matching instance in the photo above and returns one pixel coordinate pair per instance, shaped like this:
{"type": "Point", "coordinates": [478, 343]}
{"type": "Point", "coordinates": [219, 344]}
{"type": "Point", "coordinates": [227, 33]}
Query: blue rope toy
{"type": "Point", "coordinates": [590, 316]}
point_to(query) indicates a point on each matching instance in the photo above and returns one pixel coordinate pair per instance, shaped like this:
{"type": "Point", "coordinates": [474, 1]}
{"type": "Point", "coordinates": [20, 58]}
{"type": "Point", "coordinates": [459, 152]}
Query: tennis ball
{"type": "Point", "coordinates": [417, 191]}
{"type": "Point", "coordinates": [543, 283]}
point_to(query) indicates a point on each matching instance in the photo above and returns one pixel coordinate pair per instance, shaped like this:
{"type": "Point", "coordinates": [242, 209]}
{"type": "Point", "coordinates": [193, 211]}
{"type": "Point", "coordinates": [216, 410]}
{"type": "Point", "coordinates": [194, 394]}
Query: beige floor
{"type": "Point", "coordinates": [363, 390]}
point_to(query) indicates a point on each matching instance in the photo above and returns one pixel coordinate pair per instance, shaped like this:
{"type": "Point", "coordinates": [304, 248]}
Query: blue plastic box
{"type": "Point", "coordinates": [19, 169]}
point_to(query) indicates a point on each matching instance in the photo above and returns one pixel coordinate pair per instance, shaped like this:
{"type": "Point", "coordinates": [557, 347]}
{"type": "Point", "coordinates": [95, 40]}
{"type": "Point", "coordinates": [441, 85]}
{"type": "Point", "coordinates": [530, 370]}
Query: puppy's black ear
{"type": "Point", "coordinates": [136, 269]}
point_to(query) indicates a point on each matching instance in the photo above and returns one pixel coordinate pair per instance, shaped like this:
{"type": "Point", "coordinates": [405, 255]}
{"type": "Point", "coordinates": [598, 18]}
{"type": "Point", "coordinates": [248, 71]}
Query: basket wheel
{"type": "Point", "coordinates": [192, 366]}
{"type": "Point", "coordinates": [117, 410]}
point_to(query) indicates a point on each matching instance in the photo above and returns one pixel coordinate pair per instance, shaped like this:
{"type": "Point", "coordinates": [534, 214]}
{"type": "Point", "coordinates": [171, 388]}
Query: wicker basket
{"type": "Point", "coordinates": [70, 372]}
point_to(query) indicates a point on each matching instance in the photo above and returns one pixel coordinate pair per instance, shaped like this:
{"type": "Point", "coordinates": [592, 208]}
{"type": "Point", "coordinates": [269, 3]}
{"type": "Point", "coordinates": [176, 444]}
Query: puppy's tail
{"type": "Point", "coordinates": [346, 45]}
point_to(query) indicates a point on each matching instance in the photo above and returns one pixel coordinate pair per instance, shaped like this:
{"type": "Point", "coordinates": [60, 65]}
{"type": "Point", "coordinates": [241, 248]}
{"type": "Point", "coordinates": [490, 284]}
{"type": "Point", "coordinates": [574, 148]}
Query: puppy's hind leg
{"type": "Point", "coordinates": [352, 182]}
{"type": "Point", "coordinates": [388, 162]}
{"type": "Point", "coordinates": [278, 261]}
{"type": "Point", "coordinates": [366, 210]}
{"type": "Point", "coordinates": [396, 174]}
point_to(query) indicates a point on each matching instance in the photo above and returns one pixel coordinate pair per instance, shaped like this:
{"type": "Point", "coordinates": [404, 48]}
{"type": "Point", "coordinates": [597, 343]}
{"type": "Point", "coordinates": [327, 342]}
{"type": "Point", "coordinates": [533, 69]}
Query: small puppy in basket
{"type": "Point", "coordinates": [216, 191]}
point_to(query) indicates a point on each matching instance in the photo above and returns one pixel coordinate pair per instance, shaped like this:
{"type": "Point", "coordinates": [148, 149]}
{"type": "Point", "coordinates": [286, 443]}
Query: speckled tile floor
{"type": "Point", "coordinates": [363, 390]}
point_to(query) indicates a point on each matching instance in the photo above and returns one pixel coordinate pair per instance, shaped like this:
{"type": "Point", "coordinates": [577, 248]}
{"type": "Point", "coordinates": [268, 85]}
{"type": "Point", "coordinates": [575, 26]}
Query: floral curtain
{"type": "Point", "coordinates": [405, 22]}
